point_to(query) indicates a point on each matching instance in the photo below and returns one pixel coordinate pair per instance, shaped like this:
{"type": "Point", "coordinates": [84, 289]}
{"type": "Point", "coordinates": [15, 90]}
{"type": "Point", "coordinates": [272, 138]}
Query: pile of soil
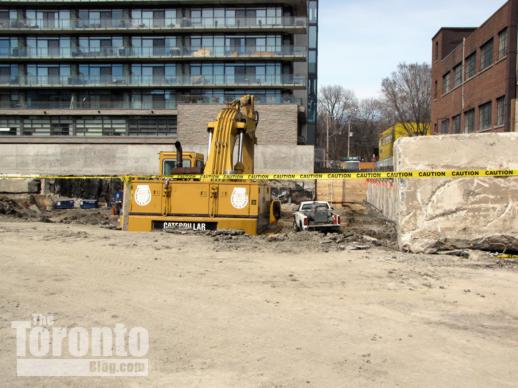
{"type": "Point", "coordinates": [101, 217]}
{"type": "Point", "coordinates": [29, 209]}
{"type": "Point", "coordinates": [362, 228]}
{"type": "Point", "coordinates": [25, 209]}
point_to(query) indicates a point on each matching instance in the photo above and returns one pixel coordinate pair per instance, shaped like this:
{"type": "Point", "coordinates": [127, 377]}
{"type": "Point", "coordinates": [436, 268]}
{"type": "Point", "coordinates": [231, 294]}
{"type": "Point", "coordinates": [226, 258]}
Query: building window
{"type": "Point", "coordinates": [446, 83]}
{"type": "Point", "coordinates": [486, 55]}
{"type": "Point", "coordinates": [102, 46]}
{"type": "Point", "coordinates": [236, 73]}
{"type": "Point", "coordinates": [49, 99]}
{"type": "Point", "coordinates": [445, 126]}
{"type": "Point", "coordinates": [100, 126]}
{"type": "Point", "coordinates": [234, 45]}
{"type": "Point", "coordinates": [8, 17]}
{"type": "Point", "coordinates": [48, 74]}
{"type": "Point", "coordinates": [313, 38]}
{"type": "Point", "coordinates": [469, 121]}
{"type": "Point", "coordinates": [9, 74]}
{"type": "Point", "coordinates": [471, 66]}
{"type": "Point", "coordinates": [101, 100]}
{"type": "Point", "coordinates": [48, 47]}
{"type": "Point", "coordinates": [9, 47]}
{"type": "Point", "coordinates": [436, 50]}
{"type": "Point", "coordinates": [312, 61]}
{"type": "Point", "coordinates": [101, 74]}
{"type": "Point", "coordinates": [455, 124]}
{"type": "Point", "coordinates": [313, 11]}
{"type": "Point", "coordinates": [457, 71]}
{"type": "Point", "coordinates": [500, 110]}
{"type": "Point", "coordinates": [153, 74]}
{"type": "Point", "coordinates": [152, 126]}
{"type": "Point", "coordinates": [502, 44]}
{"type": "Point", "coordinates": [485, 116]}
{"type": "Point", "coordinates": [153, 17]}
{"type": "Point", "coordinates": [101, 18]}
{"type": "Point", "coordinates": [50, 19]}
{"type": "Point", "coordinates": [153, 99]}
{"type": "Point", "coordinates": [150, 46]}
{"type": "Point", "coordinates": [231, 17]}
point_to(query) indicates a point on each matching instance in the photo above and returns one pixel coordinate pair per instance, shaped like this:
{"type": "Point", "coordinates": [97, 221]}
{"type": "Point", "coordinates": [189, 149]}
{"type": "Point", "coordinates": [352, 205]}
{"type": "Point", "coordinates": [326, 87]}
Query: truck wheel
{"type": "Point", "coordinates": [296, 226]}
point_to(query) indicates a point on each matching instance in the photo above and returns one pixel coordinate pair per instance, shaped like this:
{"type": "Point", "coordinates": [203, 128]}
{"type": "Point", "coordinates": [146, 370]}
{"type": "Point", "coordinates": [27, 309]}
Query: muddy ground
{"type": "Point", "coordinates": [280, 310]}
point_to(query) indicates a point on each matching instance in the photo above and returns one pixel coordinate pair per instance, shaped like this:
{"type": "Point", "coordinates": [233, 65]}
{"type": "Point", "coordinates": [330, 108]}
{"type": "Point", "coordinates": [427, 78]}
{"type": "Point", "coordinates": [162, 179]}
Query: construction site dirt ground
{"type": "Point", "coordinates": [282, 310]}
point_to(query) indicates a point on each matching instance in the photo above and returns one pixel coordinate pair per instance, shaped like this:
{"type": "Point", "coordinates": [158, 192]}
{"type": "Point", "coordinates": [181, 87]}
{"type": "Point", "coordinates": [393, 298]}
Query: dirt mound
{"type": "Point", "coordinates": [361, 219]}
{"type": "Point", "coordinates": [25, 209]}
{"type": "Point", "coordinates": [102, 217]}
{"type": "Point", "coordinates": [28, 209]}
{"type": "Point", "coordinates": [362, 229]}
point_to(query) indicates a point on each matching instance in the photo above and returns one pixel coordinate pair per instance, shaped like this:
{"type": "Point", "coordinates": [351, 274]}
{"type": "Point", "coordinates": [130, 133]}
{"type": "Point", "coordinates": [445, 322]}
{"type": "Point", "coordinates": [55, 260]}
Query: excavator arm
{"type": "Point", "coordinates": [236, 123]}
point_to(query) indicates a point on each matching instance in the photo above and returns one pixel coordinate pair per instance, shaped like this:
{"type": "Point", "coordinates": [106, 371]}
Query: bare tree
{"type": "Point", "coordinates": [408, 97]}
{"type": "Point", "coordinates": [370, 121]}
{"type": "Point", "coordinates": [336, 106]}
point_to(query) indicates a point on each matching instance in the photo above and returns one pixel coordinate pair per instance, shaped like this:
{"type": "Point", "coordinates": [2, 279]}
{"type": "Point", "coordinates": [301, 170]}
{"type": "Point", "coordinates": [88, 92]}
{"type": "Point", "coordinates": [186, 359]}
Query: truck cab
{"type": "Point", "coordinates": [316, 215]}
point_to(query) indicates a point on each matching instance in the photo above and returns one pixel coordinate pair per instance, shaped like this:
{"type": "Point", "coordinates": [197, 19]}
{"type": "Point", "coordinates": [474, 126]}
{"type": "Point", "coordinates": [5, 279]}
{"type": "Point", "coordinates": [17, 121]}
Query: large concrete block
{"type": "Point", "coordinates": [478, 213]}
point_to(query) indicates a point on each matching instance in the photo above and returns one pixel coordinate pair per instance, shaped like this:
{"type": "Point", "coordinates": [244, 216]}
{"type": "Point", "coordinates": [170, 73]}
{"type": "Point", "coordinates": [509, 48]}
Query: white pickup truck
{"type": "Point", "coordinates": [316, 215]}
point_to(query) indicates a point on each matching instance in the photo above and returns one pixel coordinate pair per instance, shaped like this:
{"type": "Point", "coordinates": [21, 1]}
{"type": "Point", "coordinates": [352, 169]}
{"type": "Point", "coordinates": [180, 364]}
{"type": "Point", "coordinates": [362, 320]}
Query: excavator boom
{"type": "Point", "coordinates": [235, 123]}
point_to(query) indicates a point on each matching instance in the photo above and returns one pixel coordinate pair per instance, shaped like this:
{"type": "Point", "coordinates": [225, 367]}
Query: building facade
{"type": "Point", "coordinates": [122, 67]}
{"type": "Point", "coordinates": [474, 75]}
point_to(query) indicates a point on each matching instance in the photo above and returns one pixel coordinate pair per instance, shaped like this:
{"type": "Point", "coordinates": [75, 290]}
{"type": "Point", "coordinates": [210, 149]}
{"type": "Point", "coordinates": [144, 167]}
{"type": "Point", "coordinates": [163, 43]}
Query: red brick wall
{"type": "Point", "coordinates": [487, 85]}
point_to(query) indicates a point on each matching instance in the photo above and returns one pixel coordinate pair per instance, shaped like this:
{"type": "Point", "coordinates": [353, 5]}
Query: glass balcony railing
{"type": "Point", "coordinates": [179, 81]}
{"type": "Point", "coordinates": [166, 104]}
{"type": "Point", "coordinates": [9, 80]}
{"type": "Point", "coordinates": [164, 24]}
{"type": "Point", "coordinates": [274, 100]}
{"type": "Point", "coordinates": [157, 52]}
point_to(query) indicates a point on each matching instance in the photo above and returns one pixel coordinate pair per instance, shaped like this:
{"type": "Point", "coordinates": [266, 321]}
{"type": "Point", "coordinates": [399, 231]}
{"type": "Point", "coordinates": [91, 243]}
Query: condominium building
{"type": "Point", "coordinates": [474, 75]}
{"type": "Point", "coordinates": [124, 67]}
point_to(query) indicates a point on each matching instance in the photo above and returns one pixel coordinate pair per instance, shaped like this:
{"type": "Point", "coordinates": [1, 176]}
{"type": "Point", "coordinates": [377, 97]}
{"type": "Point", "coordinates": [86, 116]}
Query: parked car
{"type": "Point", "coordinates": [316, 215]}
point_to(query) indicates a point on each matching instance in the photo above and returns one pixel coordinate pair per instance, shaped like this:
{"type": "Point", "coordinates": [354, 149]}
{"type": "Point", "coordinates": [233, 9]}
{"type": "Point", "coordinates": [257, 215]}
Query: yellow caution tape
{"type": "Point", "coordinates": [505, 256]}
{"type": "Point", "coordinates": [436, 174]}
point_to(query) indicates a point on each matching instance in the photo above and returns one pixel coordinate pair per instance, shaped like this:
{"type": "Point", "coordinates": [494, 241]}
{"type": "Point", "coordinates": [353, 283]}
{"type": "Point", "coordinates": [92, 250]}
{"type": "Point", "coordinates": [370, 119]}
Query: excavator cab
{"type": "Point", "coordinates": [179, 162]}
{"type": "Point", "coordinates": [168, 162]}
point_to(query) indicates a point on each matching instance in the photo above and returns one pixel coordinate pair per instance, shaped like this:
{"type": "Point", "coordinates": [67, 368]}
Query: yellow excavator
{"type": "Point", "coordinates": [205, 203]}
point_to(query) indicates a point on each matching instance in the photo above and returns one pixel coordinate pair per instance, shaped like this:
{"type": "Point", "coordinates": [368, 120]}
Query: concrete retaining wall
{"type": "Point", "coordinates": [116, 159]}
{"type": "Point", "coordinates": [383, 195]}
{"type": "Point", "coordinates": [19, 186]}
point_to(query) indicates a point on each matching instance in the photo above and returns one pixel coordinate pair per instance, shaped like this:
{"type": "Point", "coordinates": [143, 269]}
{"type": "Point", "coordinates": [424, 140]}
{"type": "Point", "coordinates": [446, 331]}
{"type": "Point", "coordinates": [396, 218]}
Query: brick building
{"type": "Point", "coordinates": [474, 75]}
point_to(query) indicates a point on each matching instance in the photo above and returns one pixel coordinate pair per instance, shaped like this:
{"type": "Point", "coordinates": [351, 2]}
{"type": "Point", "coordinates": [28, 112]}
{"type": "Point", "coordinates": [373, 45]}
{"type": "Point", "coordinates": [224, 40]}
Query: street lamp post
{"type": "Point", "coordinates": [349, 135]}
{"type": "Point", "coordinates": [327, 142]}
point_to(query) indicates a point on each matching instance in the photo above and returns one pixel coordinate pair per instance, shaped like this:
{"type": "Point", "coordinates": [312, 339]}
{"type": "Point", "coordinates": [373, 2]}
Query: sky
{"type": "Point", "coordinates": [362, 41]}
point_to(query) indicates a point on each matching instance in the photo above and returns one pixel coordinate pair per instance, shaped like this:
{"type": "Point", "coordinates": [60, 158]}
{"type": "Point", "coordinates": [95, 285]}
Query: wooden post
{"type": "Point", "coordinates": [126, 201]}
